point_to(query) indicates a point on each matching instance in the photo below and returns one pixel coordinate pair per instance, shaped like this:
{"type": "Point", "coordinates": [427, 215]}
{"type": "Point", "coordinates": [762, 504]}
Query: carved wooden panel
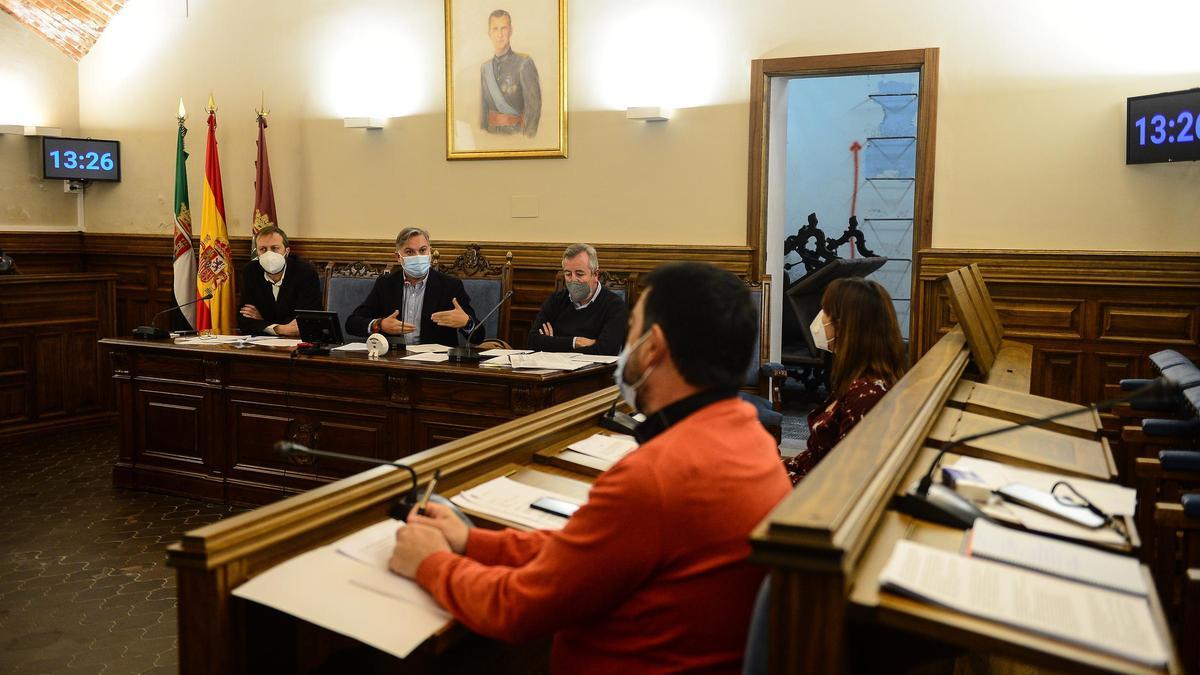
{"type": "Point", "coordinates": [1059, 374]}
{"type": "Point", "coordinates": [283, 376]}
{"type": "Point", "coordinates": [48, 357]}
{"type": "Point", "coordinates": [1040, 318]}
{"type": "Point", "coordinates": [174, 425]}
{"type": "Point", "coordinates": [12, 356]}
{"type": "Point", "coordinates": [433, 429]}
{"type": "Point", "coordinates": [185, 369]}
{"type": "Point", "coordinates": [461, 394]}
{"type": "Point", "coordinates": [1092, 318]}
{"type": "Point", "coordinates": [1167, 325]}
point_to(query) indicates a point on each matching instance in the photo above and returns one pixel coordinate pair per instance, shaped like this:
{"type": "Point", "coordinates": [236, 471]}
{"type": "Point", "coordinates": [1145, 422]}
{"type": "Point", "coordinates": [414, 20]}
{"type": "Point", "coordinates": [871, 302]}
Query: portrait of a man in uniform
{"type": "Point", "coordinates": [510, 91]}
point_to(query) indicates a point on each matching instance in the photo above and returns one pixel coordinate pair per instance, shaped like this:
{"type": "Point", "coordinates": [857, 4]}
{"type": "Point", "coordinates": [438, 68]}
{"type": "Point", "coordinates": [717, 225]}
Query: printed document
{"type": "Point", "coordinates": [1059, 558]}
{"type": "Point", "coordinates": [1107, 621]}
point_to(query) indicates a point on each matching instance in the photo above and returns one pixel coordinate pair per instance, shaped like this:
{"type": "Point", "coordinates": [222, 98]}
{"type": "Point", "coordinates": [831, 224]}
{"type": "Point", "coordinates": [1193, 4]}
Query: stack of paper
{"type": "Point", "coordinates": [347, 588]}
{"type": "Point", "coordinates": [605, 447]}
{"type": "Point", "coordinates": [269, 341]}
{"type": "Point", "coordinates": [546, 361]}
{"type": "Point", "coordinates": [1059, 558]}
{"type": "Point", "coordinates": [351, 347]}
{"type": "Point", "coordinates": [510, 500]}
{"type": "Point", "coordinates": [1102, 620]}
{"type": "Point", "coordinates": [427, 357]}
{"type": "Point", "coordinates": [210, 339]}
{"type": "Point", "coordinates": [427, 349]}
{"type": "Point", "coordinates": [594, 358]}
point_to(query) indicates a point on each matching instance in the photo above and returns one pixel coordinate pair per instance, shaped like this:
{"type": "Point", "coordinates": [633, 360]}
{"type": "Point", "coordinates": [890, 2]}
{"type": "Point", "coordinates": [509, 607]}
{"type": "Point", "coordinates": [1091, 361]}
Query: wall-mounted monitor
{"type": "Point", "coordinates": [81, 159]}
{"type": "Point", "coordinates": [1162, 128]}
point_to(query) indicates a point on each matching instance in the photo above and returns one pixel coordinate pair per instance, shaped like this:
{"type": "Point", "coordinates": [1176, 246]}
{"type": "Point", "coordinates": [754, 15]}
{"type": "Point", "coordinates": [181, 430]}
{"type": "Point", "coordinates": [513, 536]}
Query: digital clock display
{"type": "Point", "coordinates": [1162, 128]}
{"type": "Point", "coordinates": [81, 159]}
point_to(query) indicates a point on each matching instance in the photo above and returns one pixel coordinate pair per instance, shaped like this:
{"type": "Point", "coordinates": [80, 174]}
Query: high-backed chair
{"type": "Point", "coordinates": [347, 285]}
{"type": "Point", "coordinates": [485, 283]}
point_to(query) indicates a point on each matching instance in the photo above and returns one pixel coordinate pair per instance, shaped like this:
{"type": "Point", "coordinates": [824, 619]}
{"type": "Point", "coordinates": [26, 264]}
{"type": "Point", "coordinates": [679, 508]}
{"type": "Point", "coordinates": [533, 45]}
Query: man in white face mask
{"type": "Point", "coordinates": [416, 303]}
{"type": "Point", "coordinates": [275, 285]}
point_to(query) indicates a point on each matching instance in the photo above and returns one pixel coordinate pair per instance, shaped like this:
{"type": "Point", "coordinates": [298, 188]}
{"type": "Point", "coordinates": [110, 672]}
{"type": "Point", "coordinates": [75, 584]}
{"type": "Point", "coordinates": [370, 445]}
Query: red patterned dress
{"type": "Point", "coordinates": [829, 423]}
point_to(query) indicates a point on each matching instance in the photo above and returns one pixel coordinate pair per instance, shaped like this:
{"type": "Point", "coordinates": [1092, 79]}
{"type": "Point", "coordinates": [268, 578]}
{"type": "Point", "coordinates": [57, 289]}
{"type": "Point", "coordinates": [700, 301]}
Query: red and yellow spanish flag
{"type": "Point", "coordinates": [215, 272]}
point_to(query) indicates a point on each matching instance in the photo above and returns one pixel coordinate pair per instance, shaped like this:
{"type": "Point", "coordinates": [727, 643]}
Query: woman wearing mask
{"type": "Point", "coordinates": [858, 324]}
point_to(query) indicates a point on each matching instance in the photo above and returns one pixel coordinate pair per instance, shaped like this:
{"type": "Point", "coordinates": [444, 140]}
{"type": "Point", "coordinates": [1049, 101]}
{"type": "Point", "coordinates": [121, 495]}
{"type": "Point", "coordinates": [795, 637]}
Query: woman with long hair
{"type": "Point", "coordinates": [858, 324]}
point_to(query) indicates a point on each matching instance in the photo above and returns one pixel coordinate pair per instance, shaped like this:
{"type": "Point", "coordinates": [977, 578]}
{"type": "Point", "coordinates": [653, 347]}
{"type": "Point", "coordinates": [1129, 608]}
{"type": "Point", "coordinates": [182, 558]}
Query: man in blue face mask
{"type": "Point", "coordinates": [416, 303]}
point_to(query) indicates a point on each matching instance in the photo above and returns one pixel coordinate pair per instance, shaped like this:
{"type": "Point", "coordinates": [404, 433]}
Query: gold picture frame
{"type": "Point", "coordinates": [496, 96]}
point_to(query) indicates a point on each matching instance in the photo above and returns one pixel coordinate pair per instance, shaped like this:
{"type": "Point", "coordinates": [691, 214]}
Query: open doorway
{"type": "Point", "coordinates": [841, 183]}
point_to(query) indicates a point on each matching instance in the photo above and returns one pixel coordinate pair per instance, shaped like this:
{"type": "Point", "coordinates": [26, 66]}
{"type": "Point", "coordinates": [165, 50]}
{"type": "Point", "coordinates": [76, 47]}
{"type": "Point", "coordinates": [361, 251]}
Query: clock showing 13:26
{"type": "Point", "coordinates": [1162, 127]}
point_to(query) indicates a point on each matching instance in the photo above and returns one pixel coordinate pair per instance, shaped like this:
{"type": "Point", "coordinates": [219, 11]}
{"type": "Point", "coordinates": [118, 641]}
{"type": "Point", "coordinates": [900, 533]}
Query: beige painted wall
{"type": "Point", "coordinates": [39, 86]}
{"type": "Point", "coordinates": [1030, 124]}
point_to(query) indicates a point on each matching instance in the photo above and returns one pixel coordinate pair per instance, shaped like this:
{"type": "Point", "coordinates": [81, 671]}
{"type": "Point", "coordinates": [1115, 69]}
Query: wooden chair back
{"type": "Point", "coordinates": [347, 285]}
{"type": "Point", "coordinates": [486, 282]}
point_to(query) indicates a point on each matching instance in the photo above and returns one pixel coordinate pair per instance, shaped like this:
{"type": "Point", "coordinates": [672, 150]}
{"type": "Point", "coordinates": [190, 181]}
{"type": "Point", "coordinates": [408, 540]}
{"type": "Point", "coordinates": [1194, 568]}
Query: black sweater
{"type": "Point", "coordinates": [604, 321]}
{"type": "Point", "coordinates": [301, 289]}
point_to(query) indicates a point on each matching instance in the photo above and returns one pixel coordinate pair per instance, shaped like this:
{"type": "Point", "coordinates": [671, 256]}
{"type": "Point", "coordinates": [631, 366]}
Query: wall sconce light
{"type": "Point", "coordinates": [30, 130]}
{"type": "Point", "coordinates": [364, 122]}
{"type": "Point", "coordinates": [648, 114]}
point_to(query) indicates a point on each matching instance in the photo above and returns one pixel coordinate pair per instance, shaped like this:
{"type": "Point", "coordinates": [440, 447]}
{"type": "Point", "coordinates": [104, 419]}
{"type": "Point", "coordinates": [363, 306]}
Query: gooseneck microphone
{"type": "Point", "coordinates": [399, 510]}
{"type": "Point", "coordinates": [152, 332]}
{"type": "Point", "coordinates": [471, 353]}
{"type": "Point", "coordinates": [943, 505]}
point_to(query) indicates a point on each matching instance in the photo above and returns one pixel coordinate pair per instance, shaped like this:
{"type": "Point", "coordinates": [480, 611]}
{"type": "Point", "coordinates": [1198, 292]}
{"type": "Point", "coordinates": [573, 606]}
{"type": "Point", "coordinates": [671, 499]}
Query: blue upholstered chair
{"type": "Point", "coordinates": [755, 660]}
{"type": "Point", "coordinates": [485, 283]}
{"type": "Point", "coordinates": [347, 285]}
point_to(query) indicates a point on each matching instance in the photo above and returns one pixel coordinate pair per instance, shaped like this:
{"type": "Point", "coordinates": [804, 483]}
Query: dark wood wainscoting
{"type": "Point", "coordinates": [53, 374]}
{"type": "Point", "coordinates": [1092, 317]}
{"type": "Point", "coordinates": [142, 263]}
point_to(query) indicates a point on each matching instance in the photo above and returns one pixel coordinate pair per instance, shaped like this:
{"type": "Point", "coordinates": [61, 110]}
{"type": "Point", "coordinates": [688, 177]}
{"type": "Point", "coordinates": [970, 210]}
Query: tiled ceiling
{"type": "Point", "coordinates": [71, 25]}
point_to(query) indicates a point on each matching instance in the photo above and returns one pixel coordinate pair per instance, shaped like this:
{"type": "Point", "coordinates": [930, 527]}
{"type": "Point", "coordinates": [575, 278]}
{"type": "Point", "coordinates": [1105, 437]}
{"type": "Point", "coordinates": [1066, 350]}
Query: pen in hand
{"type": "Point", "coordinates": [429, 492]}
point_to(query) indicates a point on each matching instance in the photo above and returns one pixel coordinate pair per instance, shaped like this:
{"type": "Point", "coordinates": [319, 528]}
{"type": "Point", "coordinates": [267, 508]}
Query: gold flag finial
{"type": "Point", "coordinates": [212, 104]}
{"type": "Point", "coordinates": [182, 111]}
{"type": "Point", "coordinates": [261, 110]}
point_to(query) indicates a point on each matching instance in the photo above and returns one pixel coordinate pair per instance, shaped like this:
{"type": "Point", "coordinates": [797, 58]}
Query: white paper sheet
{"type": "Point", "coordinates": [1099, 619]}
{"type": "Point", "coordinates": [424, 349]}
{"type": "Point", "coordinates": [1059, 558]}
{"type": "Point", "coordinates": [545, 361]}
{"type": "Point", "coordinates": [607, 447]}
{"type": "Point", "coordinates": [210, 339]}
{"type": "Point", "coordinates": [504, 352]}
{"type": "Point", "coordinates": [328, 589]}
{"type": "Point", "coordinates": [594, 358]}
{"type": "Point", "coordinates": [1112, 499]}
{"type": "Point", "coordinates": [373, 547]}
{"type": "Point", "coordinates": [427, 357]}
{"type": "Point", "coordinates": [274, 341]}
{"type": "Point", "coordinates": [351, 347]}
{"type": "Point", "coordinates": [510, 500]}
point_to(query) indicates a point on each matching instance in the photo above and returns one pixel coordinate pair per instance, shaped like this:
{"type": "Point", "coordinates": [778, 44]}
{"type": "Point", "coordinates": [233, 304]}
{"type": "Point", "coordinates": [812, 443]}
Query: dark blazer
{"type": "Point", "coordinates": [387, 296]}
{"type": "Point", "coordinates": [301, 289]}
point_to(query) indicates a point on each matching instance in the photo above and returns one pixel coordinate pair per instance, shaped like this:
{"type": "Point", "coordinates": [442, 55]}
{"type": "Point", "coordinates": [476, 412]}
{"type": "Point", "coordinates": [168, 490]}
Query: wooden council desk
{"type": "Point", "coordinates": [201, 420]}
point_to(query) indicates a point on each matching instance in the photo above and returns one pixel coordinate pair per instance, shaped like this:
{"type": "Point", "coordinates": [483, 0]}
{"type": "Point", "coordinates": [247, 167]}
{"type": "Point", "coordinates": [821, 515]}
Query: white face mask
{"type": "Point", "coordinates": [817, 327]}
{"type": "Point", "coordinates": [272, 262]}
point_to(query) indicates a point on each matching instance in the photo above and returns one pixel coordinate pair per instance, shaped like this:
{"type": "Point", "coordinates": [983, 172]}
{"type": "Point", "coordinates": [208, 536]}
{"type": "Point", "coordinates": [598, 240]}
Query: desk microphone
{"type": "Point", "coordinates": [399, 510]}
{"type": "Point", "coordinates": [153, 333]}
{"type": "Point", "coordinates": [943, 505]}
{"type": "Point", "coordinates": [471, 353]}
{"type": "Point", "coordinates": [620, 422]}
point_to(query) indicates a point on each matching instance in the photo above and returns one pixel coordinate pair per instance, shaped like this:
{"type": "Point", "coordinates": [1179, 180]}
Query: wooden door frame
{"type": "Point", "coordinates": [924, 61]}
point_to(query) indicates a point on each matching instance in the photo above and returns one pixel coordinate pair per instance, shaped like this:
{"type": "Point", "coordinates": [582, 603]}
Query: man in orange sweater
{"type": "Point", "coordinates": [652, 573]}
